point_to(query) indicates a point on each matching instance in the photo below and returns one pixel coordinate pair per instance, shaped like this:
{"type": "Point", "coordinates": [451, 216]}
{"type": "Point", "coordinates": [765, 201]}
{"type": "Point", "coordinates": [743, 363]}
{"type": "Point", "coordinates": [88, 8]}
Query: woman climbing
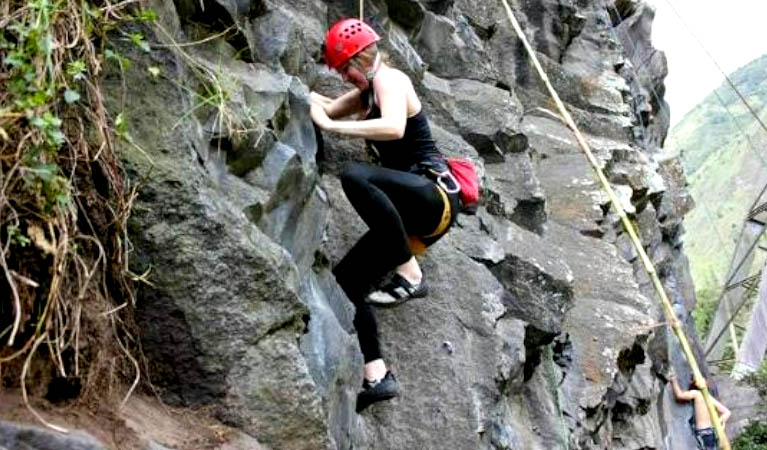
{"type": "Point", "coordinates": [408, 204]}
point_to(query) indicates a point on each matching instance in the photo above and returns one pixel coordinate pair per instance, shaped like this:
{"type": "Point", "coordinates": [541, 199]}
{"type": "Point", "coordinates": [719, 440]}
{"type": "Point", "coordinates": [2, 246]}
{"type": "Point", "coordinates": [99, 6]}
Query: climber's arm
{"type": "Point", "coordinates": [679, 393]}
{"type": "Point", "coordinates": [724, 412]}
{"type": "Point", "coordinates": [346, 104]}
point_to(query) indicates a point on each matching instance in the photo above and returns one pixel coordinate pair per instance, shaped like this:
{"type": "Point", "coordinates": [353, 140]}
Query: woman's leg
{"type": "Point", "coordinates": [355, 273]}
{"type": "Point", "coordinates": [392, 203]}
{"type": "Point", "coordinates": [352, 274]}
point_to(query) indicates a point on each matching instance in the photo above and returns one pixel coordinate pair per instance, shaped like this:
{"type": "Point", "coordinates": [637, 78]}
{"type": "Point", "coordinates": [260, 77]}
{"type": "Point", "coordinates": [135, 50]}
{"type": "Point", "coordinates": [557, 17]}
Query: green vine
{"type": "Point", "coordinates": [65, 292]}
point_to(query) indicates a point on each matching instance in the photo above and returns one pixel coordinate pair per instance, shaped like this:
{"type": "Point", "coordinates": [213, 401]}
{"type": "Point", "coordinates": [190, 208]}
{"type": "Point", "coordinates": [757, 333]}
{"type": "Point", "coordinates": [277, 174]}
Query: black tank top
{"type": "Point", "coordinates": [414, 150]}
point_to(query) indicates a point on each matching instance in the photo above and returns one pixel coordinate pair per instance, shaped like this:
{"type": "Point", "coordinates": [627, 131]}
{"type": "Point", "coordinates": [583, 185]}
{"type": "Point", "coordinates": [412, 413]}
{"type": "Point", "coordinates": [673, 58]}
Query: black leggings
{"type": "Point", "coordinates": [393, 204]}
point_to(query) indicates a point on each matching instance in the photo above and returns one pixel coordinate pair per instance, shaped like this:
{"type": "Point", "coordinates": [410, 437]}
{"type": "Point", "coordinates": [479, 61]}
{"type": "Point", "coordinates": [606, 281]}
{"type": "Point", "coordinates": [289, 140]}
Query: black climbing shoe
{"type": "Point", "coordinates": [376, 391]}
{"type": "Point", "coordinates": [397, 291]}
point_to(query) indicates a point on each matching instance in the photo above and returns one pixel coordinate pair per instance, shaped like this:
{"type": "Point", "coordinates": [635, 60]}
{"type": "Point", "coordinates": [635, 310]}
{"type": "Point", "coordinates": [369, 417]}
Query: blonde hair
{"type": "Point", "coordinates": [364, 58]}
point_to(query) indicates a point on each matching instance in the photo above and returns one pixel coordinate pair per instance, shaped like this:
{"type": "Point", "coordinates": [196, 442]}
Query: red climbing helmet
{"type": "Point", "coordinates": [346, 38]}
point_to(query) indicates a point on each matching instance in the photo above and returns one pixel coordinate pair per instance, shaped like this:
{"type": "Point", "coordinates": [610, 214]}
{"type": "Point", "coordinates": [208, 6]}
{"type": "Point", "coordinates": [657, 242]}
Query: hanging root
{"type": "Point", "coordinates": [64, 202]}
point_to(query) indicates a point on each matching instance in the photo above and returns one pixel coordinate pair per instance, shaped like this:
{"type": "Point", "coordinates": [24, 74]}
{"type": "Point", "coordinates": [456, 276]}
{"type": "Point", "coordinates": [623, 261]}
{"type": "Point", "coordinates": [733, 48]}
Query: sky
{"type": "Point", "coordinates": [733, 32]}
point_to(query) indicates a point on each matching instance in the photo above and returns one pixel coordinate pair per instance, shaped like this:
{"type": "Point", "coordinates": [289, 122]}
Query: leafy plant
{"type": "Point", "coordinates": [146, 15]}
{"type": "Point", "coordinates": [753, 437]}
{"type": "Point", "coordinates": [758, 379]}
{"type": "Point", "coordinates": [58, 254]}
{"type": "Point", "coordinates": [17, 237]}
{"type": "Point", "coordinates": [138, 40]}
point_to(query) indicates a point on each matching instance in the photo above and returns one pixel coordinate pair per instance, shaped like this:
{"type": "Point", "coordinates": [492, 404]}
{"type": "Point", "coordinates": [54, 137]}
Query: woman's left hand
{"type": "Point", "coordinates": [319, 116]}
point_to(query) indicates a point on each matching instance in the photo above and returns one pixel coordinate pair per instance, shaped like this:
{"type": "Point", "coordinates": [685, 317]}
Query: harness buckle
{"type": "Point", "coordinates": [440, 176]}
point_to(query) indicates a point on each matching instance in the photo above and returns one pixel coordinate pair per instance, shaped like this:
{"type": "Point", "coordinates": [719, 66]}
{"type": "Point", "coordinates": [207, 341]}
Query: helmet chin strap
{"type": "Point", "coordinates": [376, 65]}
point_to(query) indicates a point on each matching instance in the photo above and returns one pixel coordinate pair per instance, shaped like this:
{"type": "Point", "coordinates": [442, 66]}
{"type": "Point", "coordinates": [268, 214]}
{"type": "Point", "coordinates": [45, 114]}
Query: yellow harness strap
{"type": "Point", "coordinates": [445, 221]}
{"type": "Point", "coordinates": [415, 243]}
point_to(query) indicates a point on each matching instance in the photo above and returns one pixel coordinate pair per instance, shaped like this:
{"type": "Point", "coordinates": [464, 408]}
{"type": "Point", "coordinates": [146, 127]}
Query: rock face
{"type": "Point", "coordinates": [16, 436]}
{"type": "Point", "coordinates": [541, 331]}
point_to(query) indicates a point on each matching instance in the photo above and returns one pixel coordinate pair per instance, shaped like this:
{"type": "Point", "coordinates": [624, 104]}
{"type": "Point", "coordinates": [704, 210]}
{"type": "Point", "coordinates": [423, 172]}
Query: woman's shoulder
{"type": "Point", "coordinates": [393, 75]}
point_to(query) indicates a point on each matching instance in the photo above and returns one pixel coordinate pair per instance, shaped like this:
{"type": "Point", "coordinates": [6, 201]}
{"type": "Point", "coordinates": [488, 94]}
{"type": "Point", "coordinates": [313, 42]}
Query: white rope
{"type": "Point", "coordinates": [630, 230]}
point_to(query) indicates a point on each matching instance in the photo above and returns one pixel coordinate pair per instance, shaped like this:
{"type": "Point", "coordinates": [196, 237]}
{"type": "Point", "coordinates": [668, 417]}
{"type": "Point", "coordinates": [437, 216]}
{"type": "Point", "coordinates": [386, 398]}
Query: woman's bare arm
{"type": "Point", "coordinates": [346, 104]}
{"type": "Point", "coordinates": [390, 90]}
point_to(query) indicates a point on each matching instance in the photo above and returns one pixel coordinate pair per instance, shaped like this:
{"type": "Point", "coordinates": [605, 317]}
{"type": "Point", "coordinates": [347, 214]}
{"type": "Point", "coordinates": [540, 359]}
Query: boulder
{"type": "Point", "coordinates": [452, 49]}
{"type": "Point", "coordinates": [18, 436]}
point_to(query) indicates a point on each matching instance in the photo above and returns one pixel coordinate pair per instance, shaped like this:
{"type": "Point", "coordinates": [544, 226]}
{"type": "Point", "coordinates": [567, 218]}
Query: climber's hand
{"type": "Point", "coordinates": [315, 97]}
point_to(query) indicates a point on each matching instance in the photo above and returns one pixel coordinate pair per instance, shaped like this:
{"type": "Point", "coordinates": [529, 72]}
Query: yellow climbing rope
{"type": "Point", "coordinates": [670, 316]}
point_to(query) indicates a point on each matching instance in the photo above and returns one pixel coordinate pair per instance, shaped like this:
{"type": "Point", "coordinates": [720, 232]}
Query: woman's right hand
{"type": "Point", "coordinates": [320, 99]}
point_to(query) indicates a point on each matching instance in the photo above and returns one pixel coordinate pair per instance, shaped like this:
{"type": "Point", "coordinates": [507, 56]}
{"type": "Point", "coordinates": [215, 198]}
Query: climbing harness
{"type": "Point", "coordinates": [648, 265]}
{"type": "Point", "coordinates": [444, 222]}
{"type": "Point", "coordinates": [415, 243]}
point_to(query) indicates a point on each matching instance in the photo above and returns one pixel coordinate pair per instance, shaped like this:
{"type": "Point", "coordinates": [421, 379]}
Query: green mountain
{"type": "Point", "coordinates": [724, 153]}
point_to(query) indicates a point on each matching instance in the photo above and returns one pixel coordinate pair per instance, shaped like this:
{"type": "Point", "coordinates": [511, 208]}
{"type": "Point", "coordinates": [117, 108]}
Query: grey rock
{"type": "Point", "coordinates": [513, 191]}
{"type": "Point", "coordinates": [574, 197]}
{"type": "Point", "coordinates": [437, 96]}
{"type": "Point", "coordinates": [452, 144]}
{"type": "Point", "coordinates": [248, 154]}
{"type": "Point", "coordinates": [475, 242]}
{"type": "Point", "coordinates": [275, 39]}
{"type": "Point", "coordinates": [345, 227]}
{"type": "Point", "coordinates": [409, 13]}
{"type": "Point", "coordinates": [272, 395]}
{"type": "Point", "coordinates": [676, 201]}
{"type": "Point", "coordinates": [332, 354]}
{"type": "Point", "coordinates": [538, 287]}
{"type": "Point", "coordinates": [484, 116]}
{"type": "Point", "coordinates": [626, 247]}
{"type": "Point", "coordinates": [475, 103]}
{"type": "Point", "coordinates": [550, 23]}
{"type": "Point", "coordinates": [549, 429]}
{"type": "Point", "coordinates": [398, 47]}
{"type": "Point", "coordinates": [647, 224]}
{"type": "Point", "coordinates": [649, 68]}
{"type": "Point", "coordinates": [452, 49]}
{"type": "Point", "coordinates": [18, 436]}
{"type": "Point", "coordinates": [265, 92]}
{"type": "Point", "coordinates": [438, 6]}
{"type": "Point", "coordinates": [484, 17]}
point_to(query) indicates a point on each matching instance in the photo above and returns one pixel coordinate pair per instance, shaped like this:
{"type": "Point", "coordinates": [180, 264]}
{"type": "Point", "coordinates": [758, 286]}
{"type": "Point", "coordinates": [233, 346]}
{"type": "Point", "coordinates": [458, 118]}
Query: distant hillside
{"type": "Point", "coordinates": [724, 152]}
